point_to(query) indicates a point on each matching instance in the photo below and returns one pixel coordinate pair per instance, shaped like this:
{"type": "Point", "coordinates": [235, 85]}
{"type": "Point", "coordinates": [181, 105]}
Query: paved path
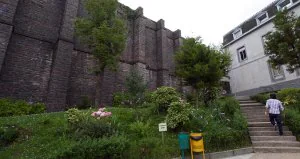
{"type": "Point", "coordinates": [268, 156]}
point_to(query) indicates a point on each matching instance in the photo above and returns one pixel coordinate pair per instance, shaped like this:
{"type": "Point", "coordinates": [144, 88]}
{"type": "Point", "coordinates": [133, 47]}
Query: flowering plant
{"type": "Point", "coordinates": [101, 113]}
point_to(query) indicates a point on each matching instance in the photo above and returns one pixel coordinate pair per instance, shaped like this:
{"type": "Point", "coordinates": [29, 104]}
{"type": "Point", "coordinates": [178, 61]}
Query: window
{"type": "Point", "coordinates": [284, 4]}
{"type": "Point", "coordinates": [262, 18]}
{"type": "Point", "coordinates": [242, 54]}
{"type": "Point", "coordinates": [277, 73]}
{"type": "Point", "coordinates": [237, 33]}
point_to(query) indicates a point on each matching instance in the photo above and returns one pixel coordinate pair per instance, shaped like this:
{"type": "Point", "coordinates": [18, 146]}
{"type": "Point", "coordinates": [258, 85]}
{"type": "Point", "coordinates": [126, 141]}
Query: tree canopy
{"type": "Point", "coordinates": [201, 66]}
{"type": "Point", "coordinates": [103, 32]}
{"type": "Point", "coordinates": [283, 44]}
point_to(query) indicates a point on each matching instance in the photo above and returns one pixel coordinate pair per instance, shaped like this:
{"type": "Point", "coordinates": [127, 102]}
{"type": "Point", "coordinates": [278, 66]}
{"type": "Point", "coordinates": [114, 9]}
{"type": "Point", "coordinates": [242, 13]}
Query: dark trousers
{"type": "Point", "coordinates": [277, 118]}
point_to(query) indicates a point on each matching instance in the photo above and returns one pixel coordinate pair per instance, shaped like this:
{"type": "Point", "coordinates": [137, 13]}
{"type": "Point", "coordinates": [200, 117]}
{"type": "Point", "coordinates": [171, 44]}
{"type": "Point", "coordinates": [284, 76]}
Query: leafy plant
{"type": "Point", "coordinates": [83, 125]}
{"type": "Point", "coordinates": [104, 33]}
{"type": "Point", "coordinates": [140, 129]}
{"type": "Point", "coordinates": [282, 45]}
{"type": "Point", "coordinates": [9, 107]}
{"type": "Point", "coordinates": [113, 147]}
{"type": "Point", "coordinates": [136, 87]}
{"type": "Point", "coordinates": [201, 67]}
{"type": "Point", "coordinates": [179, 113]}
{"type": "Point", "coordinates": [85, 103]}
{"type": "Point", "coordinates": [163, 97]}
{"type": "Point", "coordinates": [8, 134]}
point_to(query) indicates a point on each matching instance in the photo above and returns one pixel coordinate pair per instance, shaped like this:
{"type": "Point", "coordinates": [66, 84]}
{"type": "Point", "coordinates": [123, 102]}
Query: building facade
{"type": "Point", "coordinates": [42, 61]}
{"type": "Point", "coordinates": [250, 72]}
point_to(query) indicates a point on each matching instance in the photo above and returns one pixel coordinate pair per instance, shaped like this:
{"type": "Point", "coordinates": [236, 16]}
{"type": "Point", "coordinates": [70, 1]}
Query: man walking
{"type": "Point", "coordinates": [274, 107]}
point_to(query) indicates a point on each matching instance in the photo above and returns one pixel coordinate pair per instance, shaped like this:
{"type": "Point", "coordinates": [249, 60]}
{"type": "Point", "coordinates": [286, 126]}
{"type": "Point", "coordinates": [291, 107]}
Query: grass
{"type": "Point", "coordinates": [47, 135]}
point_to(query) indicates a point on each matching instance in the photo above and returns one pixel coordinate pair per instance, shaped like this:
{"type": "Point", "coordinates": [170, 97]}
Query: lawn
{"type": "Point", "coordinates": [128, 133]}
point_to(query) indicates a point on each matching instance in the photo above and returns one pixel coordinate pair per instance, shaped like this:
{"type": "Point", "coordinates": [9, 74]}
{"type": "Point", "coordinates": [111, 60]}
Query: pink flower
{"type": "Point", "coordinates": [101, 113]}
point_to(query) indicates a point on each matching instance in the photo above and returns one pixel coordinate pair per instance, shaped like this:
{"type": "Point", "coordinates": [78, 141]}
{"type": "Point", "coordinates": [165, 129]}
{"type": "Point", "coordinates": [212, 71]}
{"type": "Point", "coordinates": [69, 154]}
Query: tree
{"type": "Point", "coordinates": [201, 67]}
{"type": "Point", "coordinates": [104, 33]}
{"type": "Point", "coordinates": [283, 44]}
{"type": "Point", "coordinates": [136, 86]}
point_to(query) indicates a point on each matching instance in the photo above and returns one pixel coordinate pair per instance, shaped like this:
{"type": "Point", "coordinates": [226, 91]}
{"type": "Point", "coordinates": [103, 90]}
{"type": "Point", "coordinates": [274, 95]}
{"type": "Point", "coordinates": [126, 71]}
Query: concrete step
{"type": "Point", "coordinates": [284, 128]}
{"type": "Point", "coordinates": [242, 98]}
{"type": "Point", "coordinates": [253, 108]}
{"type": "Point", "coordinates": [276, 144]}
{"type": "Point", "coordinates": [255, 116]}
{"type": "Point", "coordinates": [259, 124]}
{"type": "Point", "coordinates": [273, 138]}
{"type": "Point", "coordinates": [265, 119]}
{"type": "Point", "coordinates": [276, 149]}
{"type": "Point", "coordinates": [247, 101]}
{"type": "Point", "coordinates": [251, 104]}
{"type": "Point", "coordinates": [254, 111]}
{"type": "Point", "coordinates": [269, 133]}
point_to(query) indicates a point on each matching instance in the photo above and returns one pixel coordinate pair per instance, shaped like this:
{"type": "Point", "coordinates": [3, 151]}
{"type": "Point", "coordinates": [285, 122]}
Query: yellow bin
{"type": "Point", "coordinates": [196, 143]}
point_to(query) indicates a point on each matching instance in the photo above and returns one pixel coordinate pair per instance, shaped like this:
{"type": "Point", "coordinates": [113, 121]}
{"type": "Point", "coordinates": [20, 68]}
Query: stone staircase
{"type": "Point", "coordinates": [263, 135]}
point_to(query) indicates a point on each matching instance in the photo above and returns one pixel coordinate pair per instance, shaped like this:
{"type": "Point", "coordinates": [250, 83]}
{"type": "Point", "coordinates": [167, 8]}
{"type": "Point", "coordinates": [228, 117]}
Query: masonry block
{"type": "Point", "coordinates": [26, 69]}
{"type": "Point", "coordinates": [5, 34]}
{"type": "Point", "coordinates": [82, 82]}
{"type": "Point", "coordinates": [39, 19]}
{"type": "Point", "coordinates": [58, 85]}
{"type": "Point", "coordinates": [69, 17]}
{"type": "Point", "coordinates": [7, 10]}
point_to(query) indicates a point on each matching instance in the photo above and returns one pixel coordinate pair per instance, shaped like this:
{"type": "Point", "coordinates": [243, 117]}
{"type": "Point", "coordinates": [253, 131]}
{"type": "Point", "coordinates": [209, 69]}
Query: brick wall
{"type": "Point", "coordinates": [42, 60]}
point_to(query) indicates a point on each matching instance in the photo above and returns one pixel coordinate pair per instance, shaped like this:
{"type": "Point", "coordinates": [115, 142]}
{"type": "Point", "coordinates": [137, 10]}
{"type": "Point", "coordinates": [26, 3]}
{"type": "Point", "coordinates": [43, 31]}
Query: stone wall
{"type": "Point", "coordinates": [42, 61]}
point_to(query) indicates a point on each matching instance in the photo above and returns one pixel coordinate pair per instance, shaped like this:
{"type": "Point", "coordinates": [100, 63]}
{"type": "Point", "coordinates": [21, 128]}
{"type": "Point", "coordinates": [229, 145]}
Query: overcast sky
{"type": "Point", "coordinates": [210, 19]}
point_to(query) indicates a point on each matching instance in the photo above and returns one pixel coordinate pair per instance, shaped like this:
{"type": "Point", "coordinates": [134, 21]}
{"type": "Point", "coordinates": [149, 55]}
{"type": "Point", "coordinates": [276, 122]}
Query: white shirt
{"type": "Point", "coordinates": [274, 106]}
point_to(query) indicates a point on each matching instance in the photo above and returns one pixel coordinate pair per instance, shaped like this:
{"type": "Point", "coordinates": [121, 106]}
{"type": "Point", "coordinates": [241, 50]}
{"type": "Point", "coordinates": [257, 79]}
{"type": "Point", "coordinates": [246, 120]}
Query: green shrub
{"type": "Point", "coordinates": [8, 134]}
{"type": "Point", "coordinates": [261, 98]}
{"type": "Point", "coordinates": [163, 97]}
{"type": "Point", "coordinates": [140, 129]}
{"type": "Point", "coordinates": [223, 125]}
{"type": "Point", "coordinates": [121, 99]}
{"type": "Point", "coordinates": [229, 106]}
{"type": "Point", "coordinates": [9, 107]}
{"type": "Point", "coordinates": [292, 120]}
{"type": "Point", "coordinates": [85, 103]}
{"type": "Point", "coordinates": [290, 97]}
{"type": "Point", "coordinates": [179, 113]}
{"type": "Point", "coordinates": [82, 124]}
{"type": "Point", "coordinates": [110, 148]}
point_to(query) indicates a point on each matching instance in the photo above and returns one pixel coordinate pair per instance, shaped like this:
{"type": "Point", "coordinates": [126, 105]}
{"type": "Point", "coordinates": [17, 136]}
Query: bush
{"type": "Point", "coordinates": [163, 97]}
{"type": "Point", "coordinates": [85, 103]}
{"type": "Point", "coordinates": [121, 99]}
{"type": "Point", "coordinates": [8, 134]}
{"type": "Point", "coordinates": [290, 97]}
{"type": "Point", "coordinates": [9, 107]}
{"type": "Point", "coordinates": [261, 98]}
{"type": "Point", "coordinates": [222, 123]}
{"type": "Point", "coordinates": [107, 148]}
{"type": "Point", "coordinates": [179, 113]}
{"type": "Point", "coordinates": [82, 124]}
{"type": "Point", "coordinates": [292, 120]}
{"type": "Point", "coordinates": [229, 106]}
{"type": "Point", "coordinates": [140, 129]}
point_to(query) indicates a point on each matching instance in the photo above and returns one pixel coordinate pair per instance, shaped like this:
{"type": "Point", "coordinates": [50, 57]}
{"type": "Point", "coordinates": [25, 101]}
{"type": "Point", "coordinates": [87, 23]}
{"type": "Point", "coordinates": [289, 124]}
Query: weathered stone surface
{"type": "Point", "coordinates": [44, 61]}
{"type": "Point", "coordinates": [39, 19]}
{"type": "Point", "coordinates": [59, 79]}
{"type": "Point", "coordinates": [7, 10]}
{"type": "Point", "coordinates": [26, 69]}
{"type": "Point", "coordinates": [82, 82]}
{"type": "Point", "coordinates": [5, 33]}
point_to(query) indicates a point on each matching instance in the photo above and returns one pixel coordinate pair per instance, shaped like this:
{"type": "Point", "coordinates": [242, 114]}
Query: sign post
{"type": "Point", "coordinates": [162, 127]}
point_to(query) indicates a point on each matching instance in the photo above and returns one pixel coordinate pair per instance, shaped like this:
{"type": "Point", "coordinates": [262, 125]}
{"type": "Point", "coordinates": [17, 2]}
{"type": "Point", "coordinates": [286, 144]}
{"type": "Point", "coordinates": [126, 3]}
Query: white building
{"type": "Point", "coordinates": [250, 72]}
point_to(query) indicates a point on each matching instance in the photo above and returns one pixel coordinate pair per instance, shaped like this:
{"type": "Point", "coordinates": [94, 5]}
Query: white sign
{"type": "Point", "coordinates": [162, 127]}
